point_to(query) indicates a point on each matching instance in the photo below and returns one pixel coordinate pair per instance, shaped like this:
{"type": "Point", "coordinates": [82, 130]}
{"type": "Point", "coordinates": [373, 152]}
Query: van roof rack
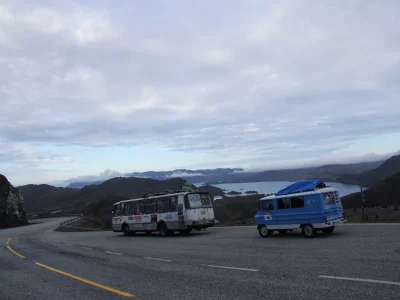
{"type": "Point", "coordinates": [301, 186]}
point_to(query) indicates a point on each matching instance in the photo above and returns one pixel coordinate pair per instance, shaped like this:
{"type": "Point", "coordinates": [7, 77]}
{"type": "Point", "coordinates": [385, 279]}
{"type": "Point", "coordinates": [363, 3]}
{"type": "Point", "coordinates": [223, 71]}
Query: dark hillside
{"type": "Point", "coordinates": [240, 208]}
{"type": "Point", "coordinates": [325, 173]}
{"type": "Point", "coordinates": [384, 193]}
{"type": "Point", "coordinates": [41, 198]}
{"type": "Point", "coordinates": [46, 197]}
{"type": "Point", "coordinates": [368, 178]}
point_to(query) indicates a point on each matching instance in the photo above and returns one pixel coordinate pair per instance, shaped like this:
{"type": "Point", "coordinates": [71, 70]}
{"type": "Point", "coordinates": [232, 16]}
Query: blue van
{"type": "Point", "coordinates": [308, 205]}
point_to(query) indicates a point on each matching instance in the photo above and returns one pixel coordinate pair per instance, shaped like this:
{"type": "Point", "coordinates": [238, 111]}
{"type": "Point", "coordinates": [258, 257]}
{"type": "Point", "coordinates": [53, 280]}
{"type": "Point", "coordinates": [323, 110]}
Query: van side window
{"type": "Point", "coordinates": [268, 205]}
{"type": "Point", "coordinates": [297, 202]}
{"type": "Point", "coordinates": [283, 203]}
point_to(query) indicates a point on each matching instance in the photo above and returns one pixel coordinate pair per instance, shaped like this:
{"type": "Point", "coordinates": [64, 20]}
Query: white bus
{"type": "Point", "coordinates": [165, 213]}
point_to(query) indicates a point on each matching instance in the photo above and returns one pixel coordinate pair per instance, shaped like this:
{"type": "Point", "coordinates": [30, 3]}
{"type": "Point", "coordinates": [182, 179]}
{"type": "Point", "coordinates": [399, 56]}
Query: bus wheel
{"type": "Point", "coordinates": [282, 231]}
{"type": "Point", "coordinates": [126, 230]}
{"type": "Point", "coordinates": [328, 230]}
{"type": "Point", "coordinates": [263, 231]}
{"type": "Point", "coordinates": [309, 231]}
{"type": "Point", "coordinates": [163, 230]}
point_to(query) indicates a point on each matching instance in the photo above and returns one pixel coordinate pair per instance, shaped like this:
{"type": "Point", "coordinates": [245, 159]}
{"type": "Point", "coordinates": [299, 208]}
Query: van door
{"type": "Point", "coordinates": [268, 213]}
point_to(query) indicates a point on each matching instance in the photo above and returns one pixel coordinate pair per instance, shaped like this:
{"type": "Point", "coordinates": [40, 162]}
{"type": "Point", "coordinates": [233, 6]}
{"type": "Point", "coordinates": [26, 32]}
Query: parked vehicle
{"type": "Point", "coordinates": [164, 212]}
{"type": "Point", "coordinates": [307, 205]}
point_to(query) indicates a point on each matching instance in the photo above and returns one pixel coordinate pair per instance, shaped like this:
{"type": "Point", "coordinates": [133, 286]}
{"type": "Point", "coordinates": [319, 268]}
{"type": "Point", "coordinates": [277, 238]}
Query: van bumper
{"type": "Point", "coordinates": [330, 223]}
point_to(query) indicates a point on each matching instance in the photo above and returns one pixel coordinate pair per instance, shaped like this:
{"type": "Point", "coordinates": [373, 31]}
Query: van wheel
{"type": "Point", "coordinates": [282, 231]}
{"type": "Point", "coordinates": [263, 231]}
{"type": "Point", "coordinates": [163, 230]}
{"type": "Point", "coordinates": [328, 230]}
{"type": "Point", "coordinates": [126, 230]}
{"type": "Point", "coordinates": [309, 231]}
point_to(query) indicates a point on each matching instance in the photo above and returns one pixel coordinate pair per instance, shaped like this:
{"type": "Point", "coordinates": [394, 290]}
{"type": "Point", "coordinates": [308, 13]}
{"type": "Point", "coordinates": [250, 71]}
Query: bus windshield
{"type": "Point", "coordinates": [198, 201]}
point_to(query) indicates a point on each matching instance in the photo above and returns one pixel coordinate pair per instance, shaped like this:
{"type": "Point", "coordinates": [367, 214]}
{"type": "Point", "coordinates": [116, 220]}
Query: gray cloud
{"type": "Point", "coordinates": [242, 80]}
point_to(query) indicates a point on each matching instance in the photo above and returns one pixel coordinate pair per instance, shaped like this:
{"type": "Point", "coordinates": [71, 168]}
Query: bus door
{"type": "Point", "coordinates": [180, 209]}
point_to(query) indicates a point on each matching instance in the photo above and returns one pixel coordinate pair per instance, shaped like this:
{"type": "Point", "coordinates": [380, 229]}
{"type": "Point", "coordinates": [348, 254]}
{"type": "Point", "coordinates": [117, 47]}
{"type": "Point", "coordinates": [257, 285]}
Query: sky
{"type": "Point", "coordinates": [125, 86]}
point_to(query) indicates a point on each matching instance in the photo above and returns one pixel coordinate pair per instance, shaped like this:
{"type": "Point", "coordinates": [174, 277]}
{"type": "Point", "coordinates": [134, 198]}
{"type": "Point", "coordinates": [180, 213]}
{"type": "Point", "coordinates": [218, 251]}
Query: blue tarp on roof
{"type": "Point", "coordinates": [301, 186]}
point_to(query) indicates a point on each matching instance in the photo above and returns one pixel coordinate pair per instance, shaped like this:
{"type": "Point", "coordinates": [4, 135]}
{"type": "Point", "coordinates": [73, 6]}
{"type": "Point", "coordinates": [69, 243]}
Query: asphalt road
{"type": "Point", "coordinates": [220, 263]}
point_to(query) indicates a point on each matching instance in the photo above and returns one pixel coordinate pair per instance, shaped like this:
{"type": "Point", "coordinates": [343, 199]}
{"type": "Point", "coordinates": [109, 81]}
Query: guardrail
{"type": "Point", "coordinates": [65, 223]}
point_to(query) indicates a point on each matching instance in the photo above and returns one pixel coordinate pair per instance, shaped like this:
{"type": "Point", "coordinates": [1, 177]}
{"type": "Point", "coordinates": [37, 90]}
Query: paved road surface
{"type": "Point", "coordinates": [220, 263]}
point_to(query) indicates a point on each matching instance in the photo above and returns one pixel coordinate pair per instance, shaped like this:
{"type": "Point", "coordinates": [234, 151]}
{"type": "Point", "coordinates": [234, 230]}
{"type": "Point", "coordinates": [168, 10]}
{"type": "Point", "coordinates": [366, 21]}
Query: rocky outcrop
{"type": "Point", "coordinates": [12, 211]}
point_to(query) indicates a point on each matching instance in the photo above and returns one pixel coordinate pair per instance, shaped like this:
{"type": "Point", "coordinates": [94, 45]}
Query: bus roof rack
{"type": "Point", "coordinates": [301, 186]}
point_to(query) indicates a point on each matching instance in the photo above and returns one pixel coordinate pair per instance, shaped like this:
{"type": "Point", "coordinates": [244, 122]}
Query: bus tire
{"type": "Point", "coordinates": [163, 229]}
{"type": "Point", "coordinates": [328, 230]}
{"type": "Point", "coordinates": [263, 231]}
{"type": "Point", "coordinates": [125, 230]}
{"type": "Point", "coordinates": [309, 231]}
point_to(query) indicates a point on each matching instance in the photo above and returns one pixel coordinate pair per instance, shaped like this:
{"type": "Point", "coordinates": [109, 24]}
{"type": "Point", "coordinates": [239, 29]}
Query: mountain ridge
{"type": "Point", "coordinates": [329, 172]}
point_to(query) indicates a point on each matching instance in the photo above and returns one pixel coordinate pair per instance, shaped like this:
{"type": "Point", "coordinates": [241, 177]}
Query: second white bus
{"type": "Point", "coordinates": [165, 213]}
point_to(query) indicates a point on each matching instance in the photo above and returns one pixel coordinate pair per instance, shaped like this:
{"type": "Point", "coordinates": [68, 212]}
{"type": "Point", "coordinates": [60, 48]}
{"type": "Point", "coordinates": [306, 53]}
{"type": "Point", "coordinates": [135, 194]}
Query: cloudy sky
{"type": "Point", "coordinates": [88, 86]}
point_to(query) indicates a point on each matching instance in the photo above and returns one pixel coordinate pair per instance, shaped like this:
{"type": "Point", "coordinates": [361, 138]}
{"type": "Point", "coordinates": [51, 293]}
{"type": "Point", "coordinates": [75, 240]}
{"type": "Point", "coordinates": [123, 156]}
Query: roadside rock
{"type": "Point", "coordinates": [12, 211]}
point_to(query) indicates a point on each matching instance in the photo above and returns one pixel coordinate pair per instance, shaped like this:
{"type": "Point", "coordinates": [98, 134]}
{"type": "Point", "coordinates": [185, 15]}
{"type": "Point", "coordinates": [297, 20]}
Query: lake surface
{"type": "Point", "coordinates": [266, 187]}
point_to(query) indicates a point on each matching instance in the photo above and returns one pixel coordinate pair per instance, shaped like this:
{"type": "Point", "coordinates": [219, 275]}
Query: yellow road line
{"type": "Point", "coordinates": [104, 287]}
{"type": "Point", "coordinates": [11, 249]}
{"type": "Point", "coordinates": [15, 252]}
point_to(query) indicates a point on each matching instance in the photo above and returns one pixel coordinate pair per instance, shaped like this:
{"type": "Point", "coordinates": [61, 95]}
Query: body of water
{"type": "Point", "coordinates": [266, 187]}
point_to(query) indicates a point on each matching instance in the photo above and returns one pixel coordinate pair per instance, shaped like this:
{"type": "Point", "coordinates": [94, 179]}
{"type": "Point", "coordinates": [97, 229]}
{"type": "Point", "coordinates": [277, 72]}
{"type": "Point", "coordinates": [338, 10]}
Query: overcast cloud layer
{"type": "Point", "coordinates": [239, 82]}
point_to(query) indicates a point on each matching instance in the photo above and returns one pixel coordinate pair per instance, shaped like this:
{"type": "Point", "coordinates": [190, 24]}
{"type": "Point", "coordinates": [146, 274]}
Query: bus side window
{"type": "Point", "coordinates": [150, 206]}
{"type": "Point", "coordinates": [163, 205]}
{"type": "Point", "coordinates": [284, 203]}
{"type": "Point", "coordinates": [268, 205]}
{"type": "Point", "coordinates": [297, 202]}
{"type": "Point", "coordinates": [122, 209]}
{"type": "Point", "coordinates": [173, 203]}
{"type": "Point", "coordinates": [129, 208]}
{"type": "Point", "coordinates": [139, 207]}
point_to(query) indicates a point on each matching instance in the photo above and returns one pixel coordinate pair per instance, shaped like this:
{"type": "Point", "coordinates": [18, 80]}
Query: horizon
{"type": "Point", "coordinates": [90, 87]}
{"type": "Point", "coordinates": [110, 174]}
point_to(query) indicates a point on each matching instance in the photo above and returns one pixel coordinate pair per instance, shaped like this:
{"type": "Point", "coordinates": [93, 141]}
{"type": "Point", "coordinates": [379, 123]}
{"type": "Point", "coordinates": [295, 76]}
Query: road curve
{"type": "Point", "coordinates": [355, 262]}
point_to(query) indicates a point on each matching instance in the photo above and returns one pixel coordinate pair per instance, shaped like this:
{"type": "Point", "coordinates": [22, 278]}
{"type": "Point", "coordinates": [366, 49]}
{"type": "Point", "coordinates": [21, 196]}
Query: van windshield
{"type": "Point", "coordinates": [198, 201]}
{"type": "Point", "coordinates": [330, 198]}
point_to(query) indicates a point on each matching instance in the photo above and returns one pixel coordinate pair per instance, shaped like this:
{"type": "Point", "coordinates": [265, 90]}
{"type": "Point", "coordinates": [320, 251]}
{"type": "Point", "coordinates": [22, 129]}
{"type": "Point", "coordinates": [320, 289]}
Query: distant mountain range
{"type": "Point", "coordinates": [97, 198]}
{"type": "Point", "coordinates": [235, 175]}
{"type": "Point", "coordinates": [192, 176]}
